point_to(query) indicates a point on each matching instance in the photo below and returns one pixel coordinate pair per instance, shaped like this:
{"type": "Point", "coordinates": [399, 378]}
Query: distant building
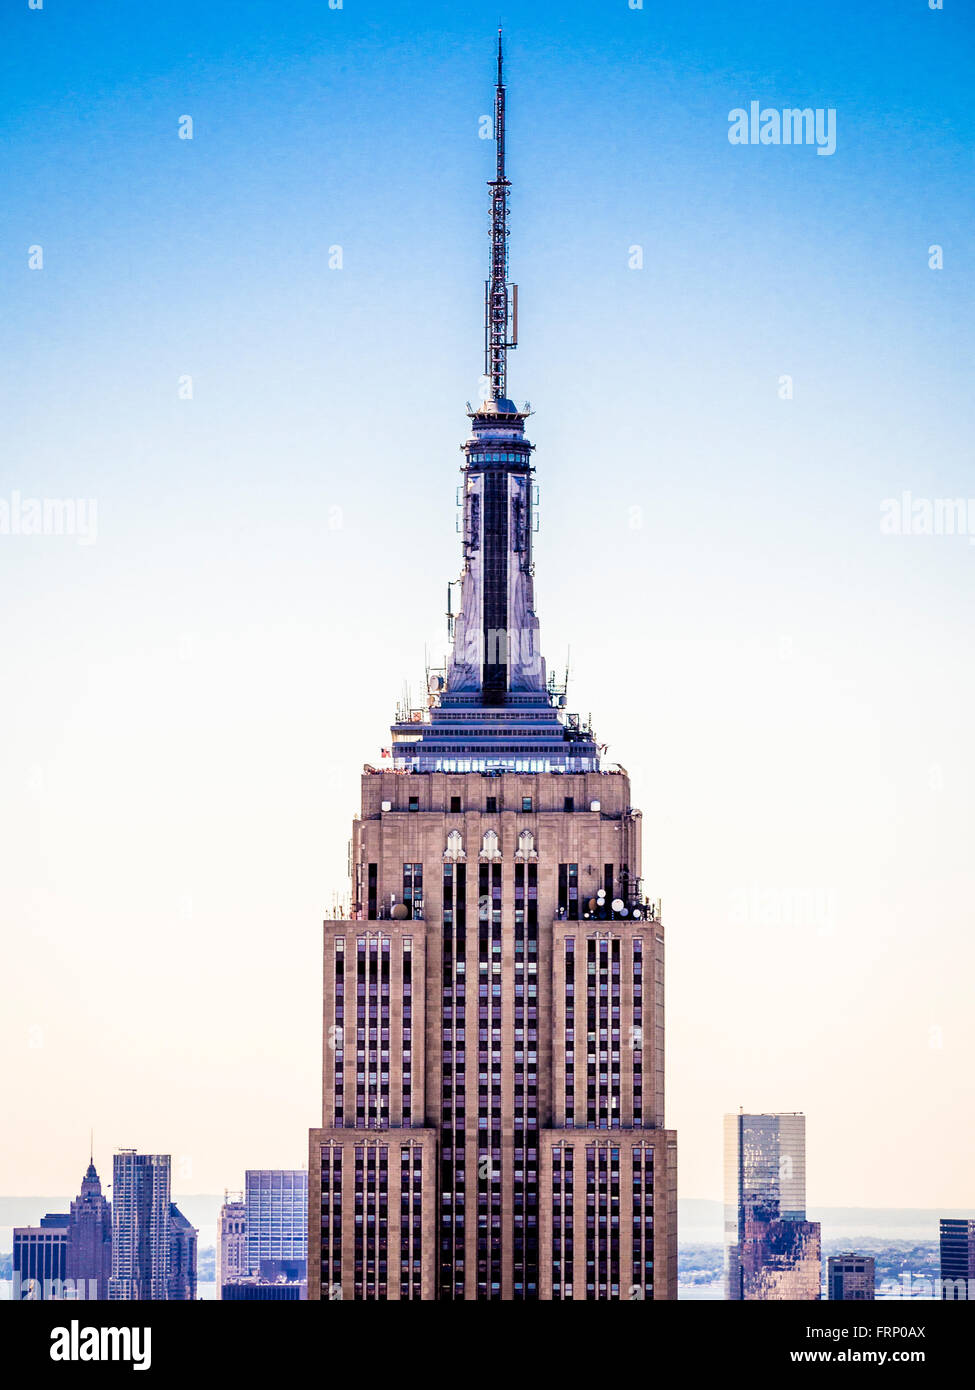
{"type": "Point", "coordinates": [771, 1251]}
{"type": "Point", "coordinates": [89, 1248]}
{"type": "Point", "coordinates": [259, 1291]}
{"type": "Point", "coordinates": [232, 1261]}
{"type": "Point", "coordinates": [957, 1259]}
{"type": "Point", "coordinates": [850, 1276]}
{"type": "Point", "coordinates": [276, 1201]}
{"type": "Point", "coordinates": [141, 1226]}
{"type": "Point", "coordinates": [182, 1256]}
{"type": "Point", "coordinates": [283, 1271]}
{"type": "Point", "coordinates": [39, 1258]}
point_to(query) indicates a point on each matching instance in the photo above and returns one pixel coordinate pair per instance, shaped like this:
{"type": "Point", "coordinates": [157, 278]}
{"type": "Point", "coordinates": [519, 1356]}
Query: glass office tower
{"type": "Point", "coordinates": [771, 1251]}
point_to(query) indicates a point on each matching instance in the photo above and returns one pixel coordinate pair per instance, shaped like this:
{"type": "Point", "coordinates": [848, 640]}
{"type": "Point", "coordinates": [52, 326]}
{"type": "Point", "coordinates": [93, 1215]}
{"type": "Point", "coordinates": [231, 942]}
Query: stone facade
{"type": "Point", "coordinates": [482, 951]}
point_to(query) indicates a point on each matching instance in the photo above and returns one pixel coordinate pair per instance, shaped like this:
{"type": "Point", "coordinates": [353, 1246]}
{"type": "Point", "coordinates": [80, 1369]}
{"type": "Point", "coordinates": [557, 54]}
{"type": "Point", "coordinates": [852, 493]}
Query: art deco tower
{"type": "Point", "coordinates": [493, 1080]}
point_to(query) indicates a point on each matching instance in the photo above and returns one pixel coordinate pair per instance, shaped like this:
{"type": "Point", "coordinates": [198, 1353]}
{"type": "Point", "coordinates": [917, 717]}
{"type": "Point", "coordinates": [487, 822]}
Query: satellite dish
{"type": "Point", "coordinates": [637, 914]}
{"type": "Point", "coordinates": [617, 904]}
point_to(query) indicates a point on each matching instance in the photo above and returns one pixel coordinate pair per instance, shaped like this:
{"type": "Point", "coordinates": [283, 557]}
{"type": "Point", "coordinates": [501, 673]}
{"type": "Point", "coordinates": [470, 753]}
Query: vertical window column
{"type": "Point", "coordinates": [459, 1078]}
{"type": "Point", "coordinates": [372, 890]}
{"type": "Point", "coordinates": [411, 1225]}
{"type": "Point", "coordinates": [361, 988]}
{"type": "Point", "coordinates": [603, 1052]}
{"type": "Point", "coordinates": [531, 1088]}
{"type": "Point", "coordinates": [496, 1060]}
{"type": "Point", "coordinates": [372, 1049]}
{"type": "Point", "coordinates": [407, 1033]}
{"type": "Point", "coordinates": [521, 1134]}
{"type": "Point", "coordinates": [413, 890]}
{"type": "Point", "coordinates": [483, 1074]}
{"type": "Point", "coordinates": [614, 1223]}
{"type": "Point", "coordinates": [382, 1111]}
{"type": "Point", "coordinates": [569, 946]}
{"type": "Point", "coordinates": [338, 1035]}
{"type": "Point", "coordinates": [615, 1081]}
{"type": "Point", "coordinates": [569, 891]}
{"type": "Point", "coordinates": [636, 1032]}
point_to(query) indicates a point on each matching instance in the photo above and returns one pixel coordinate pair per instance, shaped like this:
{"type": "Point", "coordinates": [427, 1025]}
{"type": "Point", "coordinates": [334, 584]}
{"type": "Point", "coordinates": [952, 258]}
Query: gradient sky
{"type": "Point", "coordinates": [187, 702]}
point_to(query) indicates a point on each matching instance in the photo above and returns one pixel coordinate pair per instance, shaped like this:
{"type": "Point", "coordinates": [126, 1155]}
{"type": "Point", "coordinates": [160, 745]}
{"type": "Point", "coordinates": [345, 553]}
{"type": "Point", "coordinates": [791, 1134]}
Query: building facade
{"type": "Point", "coordinates": [493, 1079]}
{"type": "Point", "coordinates": [141, 1226]}
{"type": "Point", "coordinates": [850, 1277]}
{"type": "Point", "coordinates": [957, 1259]}
{"type": "Point", "coordinates": [260, 1291]}
{"type": "Point", "coordinates": [276, 1206]}
{"type": "Point", "coordinates": [89, 1251]}
{"type": "Point", "coordinates": [771, 1251]}
{"type": "Point", "coordinates": [40, 1259]}
{"type": "Point", "coordinates": [183, 1238]}
{"type": "Point", "coordinates": [232, 1259]}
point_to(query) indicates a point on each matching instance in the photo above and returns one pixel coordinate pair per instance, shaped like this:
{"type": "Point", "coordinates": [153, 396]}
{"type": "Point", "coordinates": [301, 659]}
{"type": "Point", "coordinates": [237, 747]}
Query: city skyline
{"type": "Point", "coordinates": [196, 717]}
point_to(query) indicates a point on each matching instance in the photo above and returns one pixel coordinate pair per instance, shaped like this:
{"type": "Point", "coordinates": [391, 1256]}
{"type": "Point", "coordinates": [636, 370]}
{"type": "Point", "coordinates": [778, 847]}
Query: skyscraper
{"type": "Point", "coordinates": [850, 1276]}
{"type": "Point", "coordinates": [771, 1251]}
{"type": "Point", "coordinates": [493, 1079]}
{"type": "Point", "coordinates": [89, 1252]}
{"type": "Point", "coordinates": [140, 1226]}
{"type": "Point", "coordinates": [39, 1258]}
{"type": "Point", "coordinates": [957, 1259]}
{"type": "Point", "coordinates": [181, 1284]}
{"type": "Point", "coordinates": [276, 1201]}
{"type": "Point", "coordinates": [231, 1261]}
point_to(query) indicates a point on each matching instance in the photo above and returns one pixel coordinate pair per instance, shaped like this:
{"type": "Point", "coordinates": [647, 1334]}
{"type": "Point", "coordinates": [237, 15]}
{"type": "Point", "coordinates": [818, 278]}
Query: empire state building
{"type": "Point", "coordinates": [493, 1076]}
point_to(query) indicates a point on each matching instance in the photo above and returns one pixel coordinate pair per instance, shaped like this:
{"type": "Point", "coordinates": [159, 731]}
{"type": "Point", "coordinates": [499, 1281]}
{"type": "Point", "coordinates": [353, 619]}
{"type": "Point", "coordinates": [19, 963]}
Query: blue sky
{"type": "Point", "coordinates": [190, 698]}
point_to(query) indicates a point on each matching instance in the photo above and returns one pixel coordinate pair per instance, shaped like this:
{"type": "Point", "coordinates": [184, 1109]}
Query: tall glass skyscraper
{"type": "Point", "coordinates": [140, 1226]}
{"type": "Point", "coordinates": [276, 1206]}
{"type": "Point", "coordinates": [493, 1078]}
{"type": "Point", "coordinates": [771, 1250]}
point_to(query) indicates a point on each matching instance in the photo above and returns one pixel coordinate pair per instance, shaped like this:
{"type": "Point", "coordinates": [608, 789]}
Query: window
{"type": "Point", "coordinates": [414, 803]}
{"type": "Point", "coordinates": [455, 803]}
{"type": "Point", "coordinates": [569, 804]}
{"type": "Point", "coordinates": [526, 803]}
{"type": "Point", "coordinates": [569, 891]}
{"type": "Point", "coordinates": [492, 804]}
{"type": "Point", "coordinates": [413, 890]}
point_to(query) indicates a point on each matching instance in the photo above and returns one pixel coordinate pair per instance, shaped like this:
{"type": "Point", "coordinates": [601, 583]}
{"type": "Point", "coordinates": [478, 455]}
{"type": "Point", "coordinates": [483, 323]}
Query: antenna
{"type": "Point", "coordinates": [500, 304]}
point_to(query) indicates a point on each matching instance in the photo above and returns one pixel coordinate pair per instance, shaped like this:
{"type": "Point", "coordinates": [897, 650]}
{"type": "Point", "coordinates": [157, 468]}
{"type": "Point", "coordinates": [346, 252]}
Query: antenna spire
{"type": "Point", "coordinates": [500, 302]}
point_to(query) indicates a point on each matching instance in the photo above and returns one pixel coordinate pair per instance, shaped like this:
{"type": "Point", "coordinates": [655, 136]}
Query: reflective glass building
{"type": "Point", "coordinates": [771, 1250]}
{"type": "Point", "coordinates": [276, 1203]}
